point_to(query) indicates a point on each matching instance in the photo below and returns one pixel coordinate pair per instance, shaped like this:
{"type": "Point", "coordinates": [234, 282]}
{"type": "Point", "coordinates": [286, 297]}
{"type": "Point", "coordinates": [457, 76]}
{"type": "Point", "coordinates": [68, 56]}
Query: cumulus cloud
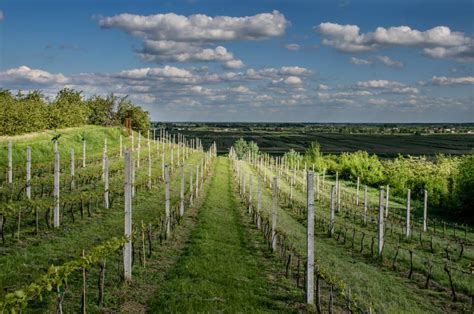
{"type": "Point", "coordinates": [292, 80]}
{"type": "Point", "coordinates": [437, 42]}
{"type": "Point", "coordinates": [292, 47]}
{"type": "Point", "coordinates": [24, 75]}
{"type": "Point", "coordinates": [390, 62]}
{"type": "Point", "coordinates": [178, 38]}
{"type": "Point", "coordinates": [233, 64]}
{"type": "Point", "coordinates": [323, 87]}
{"type": "Point", "coordinates": [388, 86]}
{"type": "Point", "coordinates": [443, 80]}
{"type": "Point", "coordinates": [358, 61]}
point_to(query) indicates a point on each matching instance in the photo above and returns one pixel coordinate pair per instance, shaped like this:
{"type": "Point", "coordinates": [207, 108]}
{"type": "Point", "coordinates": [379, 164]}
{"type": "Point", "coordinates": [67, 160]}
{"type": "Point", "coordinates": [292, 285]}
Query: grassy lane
{"type": "Point", "coordinates": [221, 270]}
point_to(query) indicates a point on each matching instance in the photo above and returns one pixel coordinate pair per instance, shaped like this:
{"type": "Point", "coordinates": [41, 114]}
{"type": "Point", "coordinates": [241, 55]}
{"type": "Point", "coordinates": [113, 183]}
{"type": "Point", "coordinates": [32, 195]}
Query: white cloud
{"type": "Point", "coordinates": [167, 71]}
{"type": "Point", "coordinates": [437, 42]}
{"type": "Point", "coordinates": [295, 70]}
{"type": "Point", "coordinates": [323, 87]}
{"type": "Point", "coordinates": [233, 64]}
{"type": "Point", "coordinates": [358, 61]}
{"type": "Point", "coordinates": [390, 62]}
{"type": "Point", "coordinates": [2, 16]}
{"type": "Point", "coordinates": [388, 86]}
{"type": "Point", "coordinates": [178, 38]}
{"type": "Point", "coordinates": [377, 101]}
{"type": "Point", "coordinates": [24, 74]}
{"type": "Point", "coordinates": [293, 80]}
{"type": "Point", "coordinates": [443, 80]}
{"type": "Point", "coordinates": [292, 47]}
{"type": "Point", "coordinates": [240, 90]}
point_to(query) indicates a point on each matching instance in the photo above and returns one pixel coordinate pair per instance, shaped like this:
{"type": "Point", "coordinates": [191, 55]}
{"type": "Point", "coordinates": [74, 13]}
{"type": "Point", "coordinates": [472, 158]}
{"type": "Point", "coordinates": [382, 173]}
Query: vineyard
{"type": "Point", "coordinates": [100, 219]}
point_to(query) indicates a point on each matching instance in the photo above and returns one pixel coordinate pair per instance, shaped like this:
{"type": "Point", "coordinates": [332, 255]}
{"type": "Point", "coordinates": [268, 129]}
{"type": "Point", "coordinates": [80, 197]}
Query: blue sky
{"type": "Point", "coordinates": [312, 61]}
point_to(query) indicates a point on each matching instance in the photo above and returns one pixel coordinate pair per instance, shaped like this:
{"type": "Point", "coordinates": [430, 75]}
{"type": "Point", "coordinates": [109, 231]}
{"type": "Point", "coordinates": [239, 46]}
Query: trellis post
{"type": "Point", "coordinates": [167, 201]}
{"type": "Point", "coordinates": [425, 210]}
{"type": "Point", "coordinates": [274, 213]}
{"type": "Point", "coordinates": [127, 250]}
{"type": "Point", "coordinates": [310, 239]}
{"type": "Point", "coordinates": [28, 172]}
{"type": "Point", "coordinates": [381, 221]}
{"type": "Point", "coordinates": [181, 192]}
{"type": "Point", "coordinates": [56, 189]}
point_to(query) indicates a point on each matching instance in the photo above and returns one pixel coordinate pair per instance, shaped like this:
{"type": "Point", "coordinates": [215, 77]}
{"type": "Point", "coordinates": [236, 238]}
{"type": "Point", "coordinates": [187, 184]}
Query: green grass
{"type": "Point", "coordinates": [220, 271]}
{"type": "Point", "coordinates": [379, 289]}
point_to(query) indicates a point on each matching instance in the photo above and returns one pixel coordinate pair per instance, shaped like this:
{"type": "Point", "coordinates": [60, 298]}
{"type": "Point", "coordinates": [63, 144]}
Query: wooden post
{"type": "Point", "coordinates": [387, 199]}
{"type": "Point", "coordinates": [332, 209]}
{"type": "Point", "coordinates": [425, 211]}
{"type": "Point", "coordinates": [274, 213]}
{"type": "Point", "coordinates": [56, 189]}
{"type": "Point", "coordinates": [167, 201]}
{"type": "Point", "coordinates": [28, 172]}
{"type": "Point", "coordinates": [106, 182]}
{"type": "Point", "coordinates": [381, 221]}
{"type": "Point", "coordinates": [181, 192]}
{"type": "Point", "coordinates": [10, 163]}
{"type": "Point", "coordinates": [73, 170]}
{"type": "Point", "coordinates": [365, 205]}
{"type": "Point", "coordinates": [127, 250]}
{"type": "Point", "coordinates": [357, 192]}
{"type": "Point", "coordinates": [310, 239]}
{"type": "Point", "coordinates": [408, 231]}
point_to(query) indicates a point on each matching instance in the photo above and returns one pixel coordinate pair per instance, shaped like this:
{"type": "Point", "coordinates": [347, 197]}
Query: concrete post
{"type": "Point", "coordinates": [425, 210]}
{"type": "Point", "coordinates": [167, 201]}
{"type": "Point", "coordinates": [387, 199]}
{"type": "Point", "coordinates": [357, 192]}
{"type": "Point", "coordinates": [332, 210]}
{"type": "Point", "coordinates": [28, 172]}
{"type": "Point", "coordinates": [259, 202]}
{"type": "Point", "coordinates": [181, 192]}
{"type": "Point", "coordinates": [365, 205]}
{"type": "Point", "coordinates": [408, 226]}
{"type": "Point", "coordinates": [274, 213]}
{"type": "Point", "coordinates": [56, 189]}
{"type": "Point", "coordinates": [310, 239]}
{"type": "Point", "coordinates": [191, 191]}
{"type": "Point", "coordinates": [10, 163]}
{"type": "Point", "coordinates": [381, 222]}
{"type": "Point", "coordinates": [84, 147]}
{"type": "Point", "coordinates": [127, 250]}
{"type": "Point", "coordinates": [106, 182]}
{"type": "Point", "coordinates": [73, 170]}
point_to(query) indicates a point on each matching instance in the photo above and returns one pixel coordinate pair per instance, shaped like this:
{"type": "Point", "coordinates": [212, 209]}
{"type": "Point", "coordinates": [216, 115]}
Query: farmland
{"type": "Point", "coordinates": [228, 232]}
{"type": "Point", "coordinates": [384, 141]}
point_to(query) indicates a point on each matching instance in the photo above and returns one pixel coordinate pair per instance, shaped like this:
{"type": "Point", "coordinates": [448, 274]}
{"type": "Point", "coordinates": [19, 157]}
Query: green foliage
{"type": "Point", "coordinates": [361, 164]}
{"type": "Point", "coordinates": [31, 112]}
{"type": "Point", "coordinates": [314, 156]}
{"type": "Point", "coordinates": [465, 186]}
{"type": "Point", "coordinates": [243, 148]}
{"type": "Point", "coordinates": [140, 118]}
{"type": "Point", "coordinates": [292, 158]}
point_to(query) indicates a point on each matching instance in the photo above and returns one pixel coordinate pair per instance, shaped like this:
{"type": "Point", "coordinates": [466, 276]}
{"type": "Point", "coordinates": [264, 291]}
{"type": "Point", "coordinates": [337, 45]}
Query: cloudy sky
{"type": "Point", "coordinates": [196, 60]}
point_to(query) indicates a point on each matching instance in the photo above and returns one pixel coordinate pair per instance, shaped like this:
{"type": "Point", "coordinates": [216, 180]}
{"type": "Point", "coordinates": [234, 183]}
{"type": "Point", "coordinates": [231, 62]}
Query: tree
{"type": "Point", "coordinates": [465, 187]}
{"type": "Point", "coordinates": [140, 118]}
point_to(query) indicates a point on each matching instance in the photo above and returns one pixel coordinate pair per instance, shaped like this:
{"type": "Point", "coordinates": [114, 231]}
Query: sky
{"type": "Point", "coordinates": [276, 61]}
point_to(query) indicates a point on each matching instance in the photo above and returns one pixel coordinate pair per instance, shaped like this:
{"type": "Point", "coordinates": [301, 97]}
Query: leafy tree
{"type": "Point", "coordinates": [314, 156]}
{"type": "Point", "coordinates": [465, 187]}
{"type": "Point", "coordinates": [140, 118]}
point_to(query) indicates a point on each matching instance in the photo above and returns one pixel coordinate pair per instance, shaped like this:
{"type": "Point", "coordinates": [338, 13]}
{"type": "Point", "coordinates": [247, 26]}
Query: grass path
{"type": "Point", "coordinates": [220, 270]}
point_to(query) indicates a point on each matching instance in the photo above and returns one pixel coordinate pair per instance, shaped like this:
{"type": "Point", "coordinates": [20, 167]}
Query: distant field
{"type": "Point", "coordinates": [275, 142]}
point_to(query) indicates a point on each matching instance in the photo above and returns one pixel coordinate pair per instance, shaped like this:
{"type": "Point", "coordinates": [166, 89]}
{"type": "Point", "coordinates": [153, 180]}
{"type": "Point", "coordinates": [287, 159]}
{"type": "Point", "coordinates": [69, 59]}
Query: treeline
{"type": "Point", "coordinates": [31, 112]}
{"type": "Point", "coordinates": [448, 180]}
